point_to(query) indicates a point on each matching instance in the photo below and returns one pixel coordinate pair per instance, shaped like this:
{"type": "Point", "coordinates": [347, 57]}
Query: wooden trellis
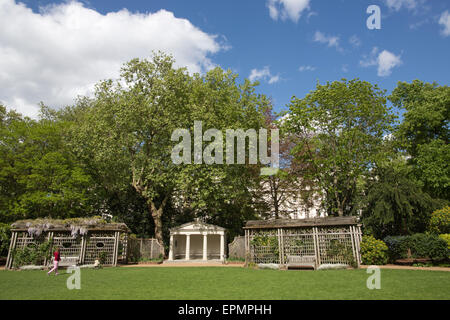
{"type": "Point", "coordinates": [108, 241]}
{"type": "Point", "coordinates": [312, 242]}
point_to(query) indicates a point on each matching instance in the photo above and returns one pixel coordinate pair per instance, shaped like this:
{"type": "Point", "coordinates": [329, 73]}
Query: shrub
{"type": "Point", "coordinates": [373, 251]}
{"type": "Point", "coordinates": [428, 246]}
{"type": "Point", "coordinates": [446, 238]}
{"type": "Point", "coordinates": [440, 221]}
{"type": "Point", "coordinates": [398, 247]}
{"type": "Point", "coordinates": [421, 246]}
{"type": "Point", "coordinates": [34, 254]}
{"type": "Point", "coordinates": [5, 237]}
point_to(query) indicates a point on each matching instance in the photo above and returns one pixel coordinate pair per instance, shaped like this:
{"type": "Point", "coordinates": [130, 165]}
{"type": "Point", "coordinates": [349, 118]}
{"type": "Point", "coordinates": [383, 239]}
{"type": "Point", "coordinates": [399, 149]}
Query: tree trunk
{"type": "Point", "coordinates": [156, 214]}
{"type": "Point", "coordinates": [340, 211]}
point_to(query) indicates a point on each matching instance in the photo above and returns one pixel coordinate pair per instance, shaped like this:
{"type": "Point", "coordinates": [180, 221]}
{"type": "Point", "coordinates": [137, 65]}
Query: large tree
{"type": "Point", "coordinates": [39, 177]}
{"type": "Point", "coordinates": [125, 134]}
{"type": "Point", "coordinates": [394, 203]}
{"type": "Point", "coordinates": [339, 129]}
{"type": "Point", "coordinates": [424, 133]}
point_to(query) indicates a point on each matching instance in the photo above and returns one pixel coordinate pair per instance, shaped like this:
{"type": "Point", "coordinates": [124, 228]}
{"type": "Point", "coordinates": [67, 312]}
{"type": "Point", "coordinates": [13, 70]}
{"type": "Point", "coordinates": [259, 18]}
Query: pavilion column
{"type": "Point", "coordinates": [222, 244]}
{"type": "Point", "coordinates": [171, 248]}
{"type": "Point", "coordinates": [205, 246]}
{"type": "Point", "coordinates": [188, 246]}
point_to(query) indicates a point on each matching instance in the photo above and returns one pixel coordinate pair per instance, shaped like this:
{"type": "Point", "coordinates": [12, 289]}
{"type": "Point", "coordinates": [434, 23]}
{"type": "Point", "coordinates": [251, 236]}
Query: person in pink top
{"type": "Point", "coordinates": [56, 259]}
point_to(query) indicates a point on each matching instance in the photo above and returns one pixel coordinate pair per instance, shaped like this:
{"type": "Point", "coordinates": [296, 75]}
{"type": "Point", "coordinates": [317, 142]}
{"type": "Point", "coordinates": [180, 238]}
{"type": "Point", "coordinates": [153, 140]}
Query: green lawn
{"type": "Point", "coordinates": [224, 283]}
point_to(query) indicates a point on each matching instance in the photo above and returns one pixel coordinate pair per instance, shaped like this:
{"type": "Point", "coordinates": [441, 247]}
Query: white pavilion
{"type": "Point", "coordinates": [197, 241]}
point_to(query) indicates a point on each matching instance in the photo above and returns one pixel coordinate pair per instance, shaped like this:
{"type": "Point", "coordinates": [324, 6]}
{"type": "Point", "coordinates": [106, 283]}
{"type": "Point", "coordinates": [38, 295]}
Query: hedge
{"type": "Point", "coordinates": [421, 245]}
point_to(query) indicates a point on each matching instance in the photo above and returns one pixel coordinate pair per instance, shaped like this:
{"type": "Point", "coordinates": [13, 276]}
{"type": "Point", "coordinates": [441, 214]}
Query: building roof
{"type": "Point", "coordinates": [292, 223]}
{"type": "Point", "coordinates": [197, 225]}
{"type": "Point", "coordinates": [89, 224]}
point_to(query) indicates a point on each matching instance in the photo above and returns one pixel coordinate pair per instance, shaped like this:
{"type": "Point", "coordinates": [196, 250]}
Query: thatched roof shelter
{"type": "Point", "coordinates": [304, 242]}
{"type": "Point", "coordinates": [81, 240]}
{"type": "Point", "coordinates": [294, 223]}
{"type": "Point", "coordinates": [74, 225]}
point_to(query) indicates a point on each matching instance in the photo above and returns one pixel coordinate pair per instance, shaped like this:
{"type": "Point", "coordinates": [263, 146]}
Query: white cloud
{"type": "Point", "coordinates": [370, 60]}
{"type": "Point", "coordinates": [396, 5]}
{"type": "Point", "coordinates": [287, 9]}
{"type": "Point", "coordinates": [445, 22]}
{"type": "Point", "coordinates": [311, 14]}
{"type": "Point", "coordinates": [385, 61]}
{"type": "Point", "coordinates": [306, 68]}
{"type": "Point", "coordinates": [355, 41]}
{"type": "Point", "coordinates": [331, 41]}
{"type": "Point", "coordinates": [63, 50]}
{"type": "Point", "coordinates": [263, 74]}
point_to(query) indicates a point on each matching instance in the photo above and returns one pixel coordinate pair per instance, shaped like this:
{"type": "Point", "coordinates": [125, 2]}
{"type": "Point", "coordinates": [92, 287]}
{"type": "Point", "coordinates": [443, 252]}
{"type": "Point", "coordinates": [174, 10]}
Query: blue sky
{"type": "Point", "coordinates": [288, 52]}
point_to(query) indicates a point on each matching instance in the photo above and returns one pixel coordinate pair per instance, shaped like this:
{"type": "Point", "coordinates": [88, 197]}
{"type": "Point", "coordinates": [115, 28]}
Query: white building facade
{"type": "Point", "coordinates": [197, 241]}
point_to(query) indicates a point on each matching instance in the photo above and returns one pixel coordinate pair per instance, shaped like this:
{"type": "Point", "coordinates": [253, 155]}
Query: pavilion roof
{"type": "Point", "coordinates": [292, 223]}
{"type": "Point", "coordinates": [48, 224]}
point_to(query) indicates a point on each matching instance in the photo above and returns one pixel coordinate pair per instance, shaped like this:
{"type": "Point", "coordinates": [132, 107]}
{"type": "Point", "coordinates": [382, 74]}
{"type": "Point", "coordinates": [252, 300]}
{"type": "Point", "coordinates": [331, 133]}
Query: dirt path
{"type": "Point", "coordinates": [184, 264]}
{"type": "Point", "coordinates": [393, 266]}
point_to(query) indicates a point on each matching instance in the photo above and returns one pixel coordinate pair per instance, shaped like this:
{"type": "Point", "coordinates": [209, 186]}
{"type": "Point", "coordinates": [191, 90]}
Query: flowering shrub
{"type": "Point", "coordinates": [373, 251]}
{"type": "Point", "coordinates": [78, 226]}
{"type": "Point", "coordinates": [440, 221]}
{"type": "Point", "coordinates": [446, 238]}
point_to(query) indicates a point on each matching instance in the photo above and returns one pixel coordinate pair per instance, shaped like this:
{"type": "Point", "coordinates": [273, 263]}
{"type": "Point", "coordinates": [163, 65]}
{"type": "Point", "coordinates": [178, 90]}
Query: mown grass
{"type": "Point", "coordinates": [213, 283]}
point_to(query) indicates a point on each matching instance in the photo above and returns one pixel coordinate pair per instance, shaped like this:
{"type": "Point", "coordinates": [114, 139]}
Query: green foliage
{"type": "Point", "coordinates": [265, 241]}
{"type": "Point", "coordinates": [102, 257]}
{"type": "Point", "coordinates": [446, 238]}
{"type": "Point", "coordinates": [39, 176]}
{"type": "Point", "coordinates": [419, 245]}
{"type": "Point", "coordinates": [124, 134]}
{"type": "Point", "coordinates": [339, 129]}
{"type": "Point", "coordinates": [440, 221]}
{"type": "Point", "coordinates": [341, 251]}
{"type": "Point", "coordinates": [373, 251]}
{"type": "Point", "coordinates": [398, 247]}
{"type": "Point", "coordinates": [395, 204]}
{"type": "Point", "coordinates": [428, 246]}
{"type": "Point", "coordinates": [33, 254]}
{"type": "Point", "coordinates": [268, 241]}
{"type": "Point", "coordinates": [424, 133]}
{"type": "Point", "coordinates": [5, 237]}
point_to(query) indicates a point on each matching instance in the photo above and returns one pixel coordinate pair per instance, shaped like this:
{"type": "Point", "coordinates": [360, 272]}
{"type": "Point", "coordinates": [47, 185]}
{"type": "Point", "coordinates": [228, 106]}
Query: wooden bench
{"type": "Point", "coordinates": [301, 262]}
{"type": "Point", "coordinates": [68, 261]}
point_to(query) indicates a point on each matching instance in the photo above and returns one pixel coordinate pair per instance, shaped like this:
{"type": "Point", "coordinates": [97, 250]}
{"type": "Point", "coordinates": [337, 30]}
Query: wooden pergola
{"type": "Point", "coordinates": [79, 243]}
{"type": "Point", "coordinates": [303, 242]}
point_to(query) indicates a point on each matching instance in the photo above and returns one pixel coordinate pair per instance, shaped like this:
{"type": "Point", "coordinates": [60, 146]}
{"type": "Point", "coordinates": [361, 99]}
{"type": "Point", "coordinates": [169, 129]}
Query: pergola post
{"type": "Point", "coordinates": [352, 235]}
{"type": "Point", "coordinates": [317, 245]}
{"type": "Point", "coordinates": [171, 248]}
{"type": "Point", "coordinates": [116, 247]}
{"type": "Point", "coordinates": [49, 237]}
{"type": "Point", "coordinates": [188, 246]}
{"type": "Point", "coordinates": [205, 246]}
{"type": "Point", "coordinates": [83, 249]}
{"type": "Point", "coordinates": [12, 246]}
{"type": "Point", "coordinates": [279, 246]}
{"type": "Point", "coordinates": [222, 244]}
